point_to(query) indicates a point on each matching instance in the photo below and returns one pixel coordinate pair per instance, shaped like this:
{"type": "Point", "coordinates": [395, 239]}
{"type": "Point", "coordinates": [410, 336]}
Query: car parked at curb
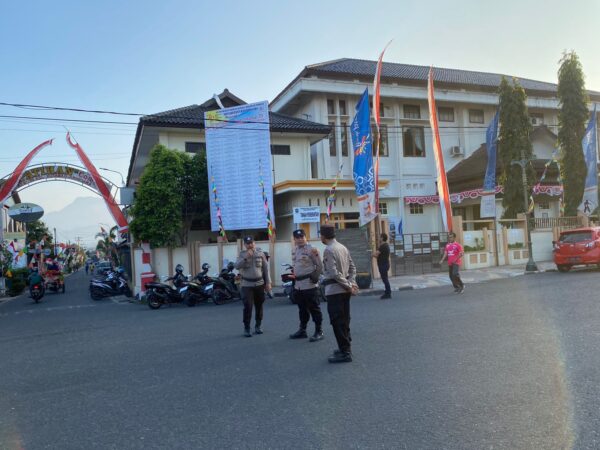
{"type": "Point", "coordinates": [577, 247]}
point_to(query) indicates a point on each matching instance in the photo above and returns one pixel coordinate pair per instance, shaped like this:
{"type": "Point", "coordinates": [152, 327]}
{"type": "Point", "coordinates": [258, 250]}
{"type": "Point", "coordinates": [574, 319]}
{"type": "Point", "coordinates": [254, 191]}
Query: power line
{"type": "Point", "coordinates": [61, 108]}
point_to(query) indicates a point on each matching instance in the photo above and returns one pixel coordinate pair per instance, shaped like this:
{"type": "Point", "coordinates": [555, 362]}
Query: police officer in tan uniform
{"type": "Point", "coordinates": [254, 268]}
{"type": "Point", "coordinates": [340, 285]}
{"type": "Point", "coordinates": [307, 268]}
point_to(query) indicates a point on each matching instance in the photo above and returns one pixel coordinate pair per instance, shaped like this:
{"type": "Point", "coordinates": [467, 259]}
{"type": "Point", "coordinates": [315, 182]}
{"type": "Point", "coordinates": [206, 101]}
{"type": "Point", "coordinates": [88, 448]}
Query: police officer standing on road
{"type": "Point", "coordinates": [340, 285]}
{"type": "Point", "coordinates": [307, 268]}
{"type": "Point", "coordinates": [254, 268]}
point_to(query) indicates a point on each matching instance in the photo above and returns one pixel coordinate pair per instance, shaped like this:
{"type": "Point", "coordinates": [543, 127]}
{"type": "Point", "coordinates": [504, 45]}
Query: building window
{"type": "Point", "coordinates": [415, 208]}
{"type": "Point", "coordinates": [344, 139]}
{"type": "Point", "coordinates": [446, 114]}
{"type": "Point", "coordinates": [343, 108]}
{"type": "Point", "coordinates": [381, 109]}
{"type": "Point", "coordinates": [383, 209]}
{"type": "Point", "coordinates": [412, 112]}
{"type": "Point", "coordinates": [413, 140]}
{"type": "Point", "coordinates": [332, 143]}
{"type": "Point", "coordinates": [318, 202]}
{"type": "Point", "coordinates": [280, 150]}
{"type": "Point", "coordinates": [309, 202]}
{"type": "Point", "coordinates": [350, 201]}
{"type": "Point", "coordinates": [544, 205]}
{"type": "Point", "coordinates": [383, 140]}
{"type": "Point", "coordinates": [330, 107]}
{"type": "Point", "coordinates": [476, 115]}
{"type": "Point", "coordinates": [195, 147]}
{"type": "Point", "coordinates": [536, 118]}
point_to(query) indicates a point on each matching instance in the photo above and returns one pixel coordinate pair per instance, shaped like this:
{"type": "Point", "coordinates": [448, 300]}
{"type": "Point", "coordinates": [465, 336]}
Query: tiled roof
{"type": "Point", "coordinates": [396, 72]}
{"type": "Point", "coordinates": [471, 171]}
{"type": "Point", "coordinates": [193, 117]}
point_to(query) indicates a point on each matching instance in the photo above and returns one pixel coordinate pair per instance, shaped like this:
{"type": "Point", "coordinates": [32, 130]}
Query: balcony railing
{"type": "Point", "coordinates": [540, 223]}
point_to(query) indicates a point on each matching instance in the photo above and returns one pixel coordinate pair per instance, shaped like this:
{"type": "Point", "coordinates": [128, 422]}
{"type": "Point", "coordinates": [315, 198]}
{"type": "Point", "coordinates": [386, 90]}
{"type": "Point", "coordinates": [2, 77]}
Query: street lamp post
{"type": "Point", "coordinates": [115, 171]}
{"type": "Point", "coordinates": [531, 265]}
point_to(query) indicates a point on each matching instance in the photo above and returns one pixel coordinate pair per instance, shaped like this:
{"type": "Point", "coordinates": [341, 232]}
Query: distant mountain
{"type": "Point", "coordinates": [81, 218]}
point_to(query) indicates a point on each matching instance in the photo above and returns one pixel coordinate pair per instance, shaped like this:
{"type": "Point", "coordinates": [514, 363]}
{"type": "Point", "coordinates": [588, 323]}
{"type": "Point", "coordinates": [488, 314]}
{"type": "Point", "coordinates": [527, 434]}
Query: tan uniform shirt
{"type": "Point", "coordinates": [305, 260]}
{"type": "Point", "coordinates": [253, 267]}
{"type": "Point", "coordinates": [338, 266]}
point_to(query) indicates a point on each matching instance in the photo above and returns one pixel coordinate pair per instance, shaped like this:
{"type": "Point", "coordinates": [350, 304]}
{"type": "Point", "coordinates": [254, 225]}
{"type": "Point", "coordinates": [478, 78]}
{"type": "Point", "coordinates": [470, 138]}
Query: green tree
{"type": "Point", "coordinates": [571, 128]}
{"type": "Point", "coordinates": [157, 209]}
{"type": "Point", "coordinates": [195, 193]}
{"type": "Point", "coordinates": [38, 230]}
{"type": "Point", "coordinates": [514, 144]}
{"type": "Point", "coordinates": [107, 246]}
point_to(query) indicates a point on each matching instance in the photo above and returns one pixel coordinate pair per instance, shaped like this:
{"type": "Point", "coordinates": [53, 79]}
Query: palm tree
{"type": "Point", "coordinates": [106, 244]}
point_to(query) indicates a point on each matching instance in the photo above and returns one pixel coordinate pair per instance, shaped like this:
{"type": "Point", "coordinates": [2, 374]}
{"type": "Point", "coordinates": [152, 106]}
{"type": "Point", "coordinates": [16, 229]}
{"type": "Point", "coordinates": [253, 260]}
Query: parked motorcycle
{"type": "Point", "coordinates": [225, 287]}
{"type": "Point", "coordinates": [200, 288]}
{"type": "Point", "coordinates": [288, 278]}
{"type": "Point", "coordinates": [159, 294]}
{"type": "Point", "coordinates": [113, 284]}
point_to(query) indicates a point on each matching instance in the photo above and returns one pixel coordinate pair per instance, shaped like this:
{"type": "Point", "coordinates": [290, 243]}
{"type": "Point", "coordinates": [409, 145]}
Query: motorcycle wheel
{"type": "Point", "coordinates": [189, 300]}
{"type": "Point", "coordinates": [128, 292]}
{"type": "Point", "coordinates": [219, 297]}
{"type": "Point", "coordinates": [36, 299]}
{"type": "Point", "coordinates": [153, 301]}
{"type": "Point", "coordinates": [62, 289]}
{"type": "Point", "coordinates": [96, 294]}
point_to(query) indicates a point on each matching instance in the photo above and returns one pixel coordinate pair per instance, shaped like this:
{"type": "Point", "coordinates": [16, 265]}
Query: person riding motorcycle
{"type": "Point", "coordinates": [34, 278]}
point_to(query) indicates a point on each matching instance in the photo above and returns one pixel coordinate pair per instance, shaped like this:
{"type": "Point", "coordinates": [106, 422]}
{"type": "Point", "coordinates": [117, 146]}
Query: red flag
{"type": "Point", "coordinates": [377, 116]}
{"type": "Point", "coordinates": [442, 182]}
{"type": "Point", "coordinates": [12, 182]}
{"type": "Point", "coordinates": [112, 206]}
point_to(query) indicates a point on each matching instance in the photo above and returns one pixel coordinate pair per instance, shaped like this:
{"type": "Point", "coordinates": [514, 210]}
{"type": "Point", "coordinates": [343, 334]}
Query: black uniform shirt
{"type": "Point", "coordinates": [384, 254]}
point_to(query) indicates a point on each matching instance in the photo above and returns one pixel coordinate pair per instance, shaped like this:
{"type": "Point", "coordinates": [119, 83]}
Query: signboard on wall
{"type": "Point", "coordinates": [307, 214]}
{"type": "Point", "coordinates": [238, 154]}
{"type": "Point", "coordinates": [25, 212]}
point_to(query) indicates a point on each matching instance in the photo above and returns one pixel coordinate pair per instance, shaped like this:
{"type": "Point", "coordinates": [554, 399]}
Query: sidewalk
{"type": "Point", "coordinates": [407, 282]}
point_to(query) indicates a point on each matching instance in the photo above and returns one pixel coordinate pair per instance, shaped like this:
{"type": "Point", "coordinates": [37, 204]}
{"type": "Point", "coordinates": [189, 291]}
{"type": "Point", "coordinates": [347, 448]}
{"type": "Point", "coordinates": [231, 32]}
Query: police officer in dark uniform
{"type": "Point", "coordinates": [254, 268]}
{"type": "Point", "coordinates": [340, 285]}
{"type": "Point", "coordinates": [307, 269]}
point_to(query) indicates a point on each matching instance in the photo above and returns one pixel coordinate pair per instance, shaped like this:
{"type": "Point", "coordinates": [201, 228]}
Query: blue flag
{"type": "Point", "coordinates": [488, 199]}
{"type": "Point", "coordinates": [364, 177]}
{"type": "Point", "coordinates": [589, 202]}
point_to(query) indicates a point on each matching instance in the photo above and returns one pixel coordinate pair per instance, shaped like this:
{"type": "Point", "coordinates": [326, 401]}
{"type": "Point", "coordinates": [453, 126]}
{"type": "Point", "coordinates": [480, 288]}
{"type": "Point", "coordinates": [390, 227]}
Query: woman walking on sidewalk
{"type": "Point", "coordinates": [454, 253]}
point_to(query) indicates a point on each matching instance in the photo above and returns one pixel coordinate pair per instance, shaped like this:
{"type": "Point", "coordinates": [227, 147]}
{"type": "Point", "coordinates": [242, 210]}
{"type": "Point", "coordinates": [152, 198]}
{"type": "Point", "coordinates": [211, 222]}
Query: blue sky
{"type": "Point", "coordinates": [148, 56]}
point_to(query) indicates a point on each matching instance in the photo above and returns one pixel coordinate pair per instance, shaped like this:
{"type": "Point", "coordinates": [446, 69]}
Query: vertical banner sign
{"type": "Point", "coordinates": [364, 179]}
{"type": "Point", "coordinates": [589, 202]}
{"type": "Point", "coordinates": [377, 116]}
{"type": "Point", "coordinates": [238, 152]}
{"type": "Point", "coordinates": [331, 197]}
{"type": "Point", "coordinates": [442, 182]}
{"type": "Point", "coordinates": [488, 197]}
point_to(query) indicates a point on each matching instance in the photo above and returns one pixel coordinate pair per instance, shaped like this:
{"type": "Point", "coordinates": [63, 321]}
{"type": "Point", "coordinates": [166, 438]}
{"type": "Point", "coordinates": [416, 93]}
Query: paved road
{"type": "Point", "coordinates": [509, 364]}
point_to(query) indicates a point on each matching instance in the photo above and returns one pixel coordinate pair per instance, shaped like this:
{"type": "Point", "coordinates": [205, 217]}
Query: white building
{"type": "Point", "coordinates": [183, 129]}
{"type": "Point", "coordinates": [467, 101]}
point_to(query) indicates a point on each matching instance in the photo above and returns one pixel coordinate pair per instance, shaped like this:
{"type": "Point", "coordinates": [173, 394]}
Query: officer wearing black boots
{"type": "Point", "coordinates": [254, 268]}
{"type": "Point", "coordinates": [307, 268]}
{"type": "Point", "coordinates": [339, 281]}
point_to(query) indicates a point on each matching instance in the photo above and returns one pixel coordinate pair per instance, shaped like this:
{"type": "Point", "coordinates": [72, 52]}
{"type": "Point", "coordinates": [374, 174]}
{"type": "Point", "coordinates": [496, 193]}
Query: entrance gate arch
{"type": "Point", "coordinates": [25, 176]}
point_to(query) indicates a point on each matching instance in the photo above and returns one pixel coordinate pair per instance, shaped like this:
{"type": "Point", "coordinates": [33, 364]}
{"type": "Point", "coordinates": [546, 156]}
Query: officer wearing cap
{"type": "Point", "coordinates": [339, 281]}
{"type": "Point", "coordinates": [254, 268]}
{"type": "Point", "coordinates": [307, 269]}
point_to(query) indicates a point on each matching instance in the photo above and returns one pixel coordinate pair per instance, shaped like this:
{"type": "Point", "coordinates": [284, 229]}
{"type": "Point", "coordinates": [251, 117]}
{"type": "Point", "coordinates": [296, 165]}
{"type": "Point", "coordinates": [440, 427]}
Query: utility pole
{"type": "Point", "coordinates": [55, 252]}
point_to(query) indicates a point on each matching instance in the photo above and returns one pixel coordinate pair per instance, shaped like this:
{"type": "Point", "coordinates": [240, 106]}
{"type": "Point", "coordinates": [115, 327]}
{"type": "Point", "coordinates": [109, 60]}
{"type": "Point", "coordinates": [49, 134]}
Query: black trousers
{"type": "Point", "coordinates": [253, 296]}
{"type": "Point", "coordinates": [338, 307]}
{"type": "Point", "coordinates": [308, 306]}
{"type": "Point", "coordinates": [383, 272]}
{"type": "Point", "coordinates": [454, 276]}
